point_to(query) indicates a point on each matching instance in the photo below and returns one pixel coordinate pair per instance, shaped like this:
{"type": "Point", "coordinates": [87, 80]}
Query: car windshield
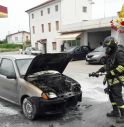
{"type": "Point", "coordinates": [23, 65]}
{"type": "Point", "coordinates": [99, 49]}
{"type": "Point", "coordinates": [71, 49]}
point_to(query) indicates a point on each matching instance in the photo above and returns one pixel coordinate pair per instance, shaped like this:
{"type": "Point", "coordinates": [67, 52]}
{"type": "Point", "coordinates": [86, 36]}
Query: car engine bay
{"type": "Point", "coordinates": [57, 83]}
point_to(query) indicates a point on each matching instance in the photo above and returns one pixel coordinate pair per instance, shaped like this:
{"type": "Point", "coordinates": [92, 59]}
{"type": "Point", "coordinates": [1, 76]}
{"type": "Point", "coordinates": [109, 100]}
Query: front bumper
{"type": "Point", "coordinates": [59, 104]}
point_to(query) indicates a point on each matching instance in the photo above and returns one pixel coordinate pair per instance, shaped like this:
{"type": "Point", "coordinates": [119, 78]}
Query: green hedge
{"type": "Point", "coordinates": [11, 46]}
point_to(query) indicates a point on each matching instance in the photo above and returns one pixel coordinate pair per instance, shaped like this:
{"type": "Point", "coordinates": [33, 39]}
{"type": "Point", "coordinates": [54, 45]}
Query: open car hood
{"type": "Point", "coordinates": [43, 62]}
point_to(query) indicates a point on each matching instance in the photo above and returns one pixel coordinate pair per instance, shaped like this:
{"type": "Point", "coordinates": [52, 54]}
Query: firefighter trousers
{"type": "Point", "coordinates": [115, 95]}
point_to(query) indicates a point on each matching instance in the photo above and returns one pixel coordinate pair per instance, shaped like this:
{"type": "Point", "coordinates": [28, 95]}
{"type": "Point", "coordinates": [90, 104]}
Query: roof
{"type": "Point", "coordinates": [45, 3]}
{"type": "Point", "coordinates": [18, 33]}
{"type": "Point", "coordinates": [18, 56]}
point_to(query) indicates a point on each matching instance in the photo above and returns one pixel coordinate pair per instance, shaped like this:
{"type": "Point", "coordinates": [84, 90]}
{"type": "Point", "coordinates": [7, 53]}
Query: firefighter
{"type": "Point", "coordinates": [114, 68]}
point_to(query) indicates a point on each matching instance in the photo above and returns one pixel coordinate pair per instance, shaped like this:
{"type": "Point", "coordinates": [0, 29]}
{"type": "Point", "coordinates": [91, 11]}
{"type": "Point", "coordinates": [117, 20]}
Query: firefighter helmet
{"type": "Point", "coordinates": [109, 42]}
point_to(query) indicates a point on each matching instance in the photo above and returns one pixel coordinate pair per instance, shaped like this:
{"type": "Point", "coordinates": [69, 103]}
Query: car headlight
{"type": "Point", "coordinates": [52, 95]}
{"type": "Point", "coordinates": [46, 96]}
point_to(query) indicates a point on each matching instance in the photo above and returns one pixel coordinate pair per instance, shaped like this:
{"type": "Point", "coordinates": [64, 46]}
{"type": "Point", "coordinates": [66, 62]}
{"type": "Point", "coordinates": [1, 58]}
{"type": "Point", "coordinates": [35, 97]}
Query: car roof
{"type": "Point", "coordinates": [17, 56]}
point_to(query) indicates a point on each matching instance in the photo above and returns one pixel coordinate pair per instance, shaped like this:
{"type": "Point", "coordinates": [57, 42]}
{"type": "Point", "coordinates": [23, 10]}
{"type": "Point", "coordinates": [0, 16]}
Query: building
{"type": "Point", "coordinates": [91, 33]}
{"type": "Point", "coordinates": [46, 21]}
{"type": "Point", "coordinates": [20, 37]}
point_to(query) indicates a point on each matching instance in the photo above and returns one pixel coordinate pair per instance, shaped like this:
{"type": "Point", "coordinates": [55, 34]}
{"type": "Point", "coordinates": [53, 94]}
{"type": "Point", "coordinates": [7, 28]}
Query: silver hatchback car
{"type": "Point", "coordinates": [32, 51]}
{"type": "Point", "coordinates": [37, 83]}
{"type": "Point", "coordinates": [98, 55]}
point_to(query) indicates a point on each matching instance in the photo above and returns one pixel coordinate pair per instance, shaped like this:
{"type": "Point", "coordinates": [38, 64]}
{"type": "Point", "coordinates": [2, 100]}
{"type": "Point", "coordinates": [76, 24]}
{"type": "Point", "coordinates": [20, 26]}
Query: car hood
{"type": "Point", "coordinates": [42, 62]}
{"type": "Point", "coordinates": [96, 53]}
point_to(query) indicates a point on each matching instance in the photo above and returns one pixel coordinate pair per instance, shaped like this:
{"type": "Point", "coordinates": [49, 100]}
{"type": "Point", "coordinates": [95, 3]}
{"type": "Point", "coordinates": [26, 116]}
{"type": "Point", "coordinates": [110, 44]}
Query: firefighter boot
{"type": "Point", "coordinates": [114, 113]}
{"type": "Point", "coordinates": [121, 119]}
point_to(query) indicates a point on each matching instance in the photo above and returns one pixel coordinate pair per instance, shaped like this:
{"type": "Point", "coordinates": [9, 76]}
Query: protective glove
{"type": "Point", "coordinates": [94, 74]}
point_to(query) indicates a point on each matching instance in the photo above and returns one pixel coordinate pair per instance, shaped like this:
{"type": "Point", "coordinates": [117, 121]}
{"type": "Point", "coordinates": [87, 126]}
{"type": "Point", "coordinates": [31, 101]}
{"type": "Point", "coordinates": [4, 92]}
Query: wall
{"type": "Point", "coordinates": [71, 12]}
{"type": "Point", "coordinates": [11, 39]}
{"type": "Point", "coordinates": [45, 19]}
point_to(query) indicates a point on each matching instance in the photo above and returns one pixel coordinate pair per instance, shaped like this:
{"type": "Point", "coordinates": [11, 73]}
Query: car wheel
{"type": "Point", "coordinates": [102, 60]}
{"type": "Point", "coordinates": [29, 109]}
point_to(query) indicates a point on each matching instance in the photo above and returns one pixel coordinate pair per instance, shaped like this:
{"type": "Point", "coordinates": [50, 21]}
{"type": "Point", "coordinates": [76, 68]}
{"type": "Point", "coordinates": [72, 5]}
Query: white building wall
{"type": "Point", "coordinates": [84, 39]}
{"type": "Point", "coordinates": [45, 19]}
{"type": "Point", "coordinates": [18, 38]}
{"type": "Point", "coordinates": [68, 12]}
{"type": "Point", "coordinates": [15, 39]}
{"type": "Point", "coordinates": [71, 11]}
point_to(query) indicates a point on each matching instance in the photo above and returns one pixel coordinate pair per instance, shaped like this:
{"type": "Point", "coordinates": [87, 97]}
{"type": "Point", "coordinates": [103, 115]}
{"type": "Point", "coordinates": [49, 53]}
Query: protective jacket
{"type": "Point", "coordinates": [115, 66]}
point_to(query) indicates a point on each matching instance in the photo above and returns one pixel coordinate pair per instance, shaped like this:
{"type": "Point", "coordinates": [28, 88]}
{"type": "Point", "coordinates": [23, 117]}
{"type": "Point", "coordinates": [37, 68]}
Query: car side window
{"type": "Point", "coordinates": [85, 49]}
{"type": "Point", "coordinates": [7, 68]}
{"type": "Point", "coordinates": [77, 50]}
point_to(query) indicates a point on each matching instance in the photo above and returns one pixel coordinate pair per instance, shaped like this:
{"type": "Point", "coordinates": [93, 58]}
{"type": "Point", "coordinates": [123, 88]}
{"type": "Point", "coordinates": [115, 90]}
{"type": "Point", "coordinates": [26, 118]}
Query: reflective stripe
{"type": "Point", "coordinates": [113, 103]}
{"type": "Point", "coordinates": [121, 106]}
{"type": "Point", "coordinates": [115, 80]}
{"type": "Point", "coordinates": [120, 68]}
{"type": "Point", "coordinates": [112, 72]}
{"type": "Point", "coordinates": [121, 78]}
{"type": "Point", "coordinates": [108, 43]}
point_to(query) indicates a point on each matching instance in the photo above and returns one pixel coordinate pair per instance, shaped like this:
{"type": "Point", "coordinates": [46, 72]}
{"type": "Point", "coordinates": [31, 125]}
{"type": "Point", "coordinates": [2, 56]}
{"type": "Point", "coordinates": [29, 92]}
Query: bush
{"type": "Point", "coordinates": [11, 46]}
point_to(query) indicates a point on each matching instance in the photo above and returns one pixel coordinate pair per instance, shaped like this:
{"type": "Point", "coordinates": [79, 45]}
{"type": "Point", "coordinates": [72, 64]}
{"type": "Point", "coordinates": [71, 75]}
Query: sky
{"type": "Point", "coordinates": [18, 19]}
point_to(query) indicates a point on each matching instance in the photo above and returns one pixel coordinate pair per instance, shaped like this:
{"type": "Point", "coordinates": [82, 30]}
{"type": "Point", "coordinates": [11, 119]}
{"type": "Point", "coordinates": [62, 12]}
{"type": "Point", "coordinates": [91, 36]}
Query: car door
{"type": "Point", "coordinates": [77, 53]}
{"type": "Point", "coordinates": [84, 51]}
{"type": "Point", "coordinates": [8, 81]}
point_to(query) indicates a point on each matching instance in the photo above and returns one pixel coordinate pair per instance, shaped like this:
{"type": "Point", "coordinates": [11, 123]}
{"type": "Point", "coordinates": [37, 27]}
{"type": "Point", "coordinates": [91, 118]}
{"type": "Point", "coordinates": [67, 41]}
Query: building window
{"type": "Point", "coordinates": [49, 27]}
{"type": "Point", "coordinates": [42, 27]}
{"type": "Point", "coordinates": [33, 29]}
{"type": "Point", "coordinates": [42, 13]}
{"type": "Point", "coordinates": [48, 10]}
{"type": "Point", "coordinates": [84, 9]}
{"type": "Point", "coordinates": [27, 38]}
{"type": "Point", "coordinates": [73, 43]}
{"type": "Point", "coordinates": [32, 16]}
{"type": "Point", "coordinates": [54, 44]}
{"type": "Point", "coordinates": [56, 8]}
{"type": "Point", "coordinates": [57, 25]}
{"type": "Point", "coordinates": [16, 38]}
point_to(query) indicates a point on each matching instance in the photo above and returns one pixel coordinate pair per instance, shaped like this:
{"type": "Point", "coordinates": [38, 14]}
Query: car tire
{"type": "Point", "coordinates": [102, 60]}
{"type": "Point", "coordinates": [29, 109]}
